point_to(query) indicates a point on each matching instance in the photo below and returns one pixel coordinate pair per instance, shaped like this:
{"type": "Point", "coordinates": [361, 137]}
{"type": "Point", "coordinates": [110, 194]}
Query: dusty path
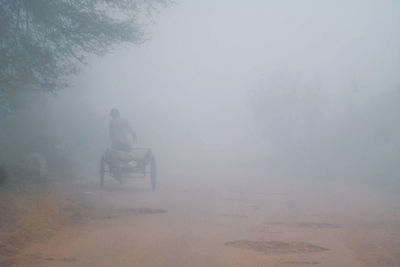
{"type": "Point", "coordinates": [198, 220]}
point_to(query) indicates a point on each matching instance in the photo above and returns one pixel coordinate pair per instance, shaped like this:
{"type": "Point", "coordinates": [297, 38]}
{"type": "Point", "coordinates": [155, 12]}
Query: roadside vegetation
{"type": "Point", "coordinates": [42, 45]}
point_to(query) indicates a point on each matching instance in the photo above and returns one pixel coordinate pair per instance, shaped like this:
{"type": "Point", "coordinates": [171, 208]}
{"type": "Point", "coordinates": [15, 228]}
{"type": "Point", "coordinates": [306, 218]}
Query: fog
{"type": "Point", "coordinates": [274, 127]}
{"type": "Point", "coordinates": [304, 88]}
{"type": "Point", "coordinates": [296, 88]}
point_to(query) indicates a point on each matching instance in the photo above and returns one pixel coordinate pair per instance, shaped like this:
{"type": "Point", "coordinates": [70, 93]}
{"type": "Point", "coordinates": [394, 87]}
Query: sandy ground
{"type": "Point", "coordinates": [216, 219]}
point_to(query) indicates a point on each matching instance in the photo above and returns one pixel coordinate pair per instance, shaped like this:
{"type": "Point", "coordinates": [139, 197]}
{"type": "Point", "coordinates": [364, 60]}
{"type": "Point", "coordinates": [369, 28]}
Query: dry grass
{"type": "Point", "coordinates": [29, 211]}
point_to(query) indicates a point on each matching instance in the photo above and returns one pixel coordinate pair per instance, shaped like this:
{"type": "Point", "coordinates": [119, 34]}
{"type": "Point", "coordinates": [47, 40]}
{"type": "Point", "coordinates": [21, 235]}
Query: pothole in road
{"type": "Point", "coordinates": [38, 257]}
{"type": "Point", "coordinates": [61, 259]}
{"type": "Point", "coordinates": [232, 215]}
{"type": "Point", "coordinates": [311, 225]}
{"type": "Point", "coordinates": [301, 262]}
{"type": "Point", "coordinates": [318, 225]}
{"type": "Point", "coordinates": [276, 247]}
{"type": "Point", "coordinates": [115, 213]}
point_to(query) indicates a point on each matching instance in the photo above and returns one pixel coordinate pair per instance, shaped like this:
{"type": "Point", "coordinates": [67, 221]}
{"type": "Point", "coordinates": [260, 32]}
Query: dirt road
{"type": "Point", "coordinates": [237, 220]}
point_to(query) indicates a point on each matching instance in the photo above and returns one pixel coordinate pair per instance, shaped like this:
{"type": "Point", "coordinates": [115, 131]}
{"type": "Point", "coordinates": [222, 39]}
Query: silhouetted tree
{"type": "Point", "coordinates": [287, 109]}
{"type": "Point", "coordinates": [3, 176]}
{"type": "Point", "coordinates": [44, 41]}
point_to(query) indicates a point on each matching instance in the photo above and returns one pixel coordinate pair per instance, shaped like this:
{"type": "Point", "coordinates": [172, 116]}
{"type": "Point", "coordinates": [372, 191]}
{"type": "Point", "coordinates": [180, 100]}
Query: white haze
{"type": "Point", "coordinates": [186, 90]}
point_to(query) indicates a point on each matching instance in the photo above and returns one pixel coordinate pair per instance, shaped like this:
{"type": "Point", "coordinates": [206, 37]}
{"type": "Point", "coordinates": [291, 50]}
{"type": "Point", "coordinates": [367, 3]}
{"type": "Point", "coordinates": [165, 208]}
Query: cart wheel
{"type": "Point", "coordinates": [102, 171]}
{"type": "Point", "coordinates": [153, 173]}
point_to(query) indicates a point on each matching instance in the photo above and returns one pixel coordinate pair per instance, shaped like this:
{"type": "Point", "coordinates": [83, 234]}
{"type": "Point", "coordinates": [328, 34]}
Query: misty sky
{"type": "Point", "coordinates": [203, 57]}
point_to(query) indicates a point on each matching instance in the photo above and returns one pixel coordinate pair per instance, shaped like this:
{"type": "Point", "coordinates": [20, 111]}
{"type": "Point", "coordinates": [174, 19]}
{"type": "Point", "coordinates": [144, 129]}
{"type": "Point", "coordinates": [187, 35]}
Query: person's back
{"type": "Point", "coordinates": [121, 134]}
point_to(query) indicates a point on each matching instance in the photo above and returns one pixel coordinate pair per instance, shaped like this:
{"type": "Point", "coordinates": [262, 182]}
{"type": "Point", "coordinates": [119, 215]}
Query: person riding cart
{"type": "Point", "coordinates": [121, 134]}
{"type": "Point", "coordinates": [123, 160]}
